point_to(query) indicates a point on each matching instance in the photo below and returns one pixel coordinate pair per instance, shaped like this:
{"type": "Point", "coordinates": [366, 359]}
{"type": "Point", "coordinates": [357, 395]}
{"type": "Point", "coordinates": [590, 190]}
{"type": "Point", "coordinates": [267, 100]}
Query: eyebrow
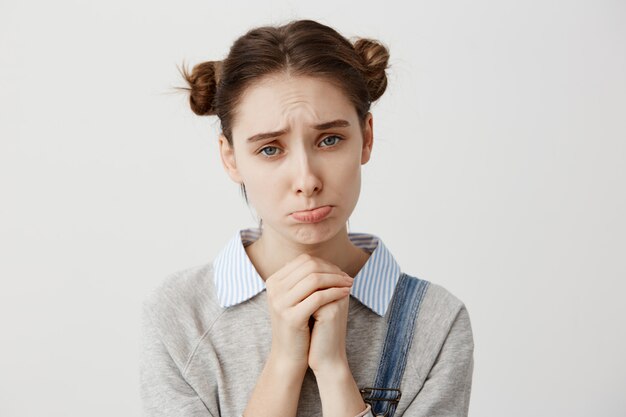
{"type": "Point", "coordinates": [321, 126]}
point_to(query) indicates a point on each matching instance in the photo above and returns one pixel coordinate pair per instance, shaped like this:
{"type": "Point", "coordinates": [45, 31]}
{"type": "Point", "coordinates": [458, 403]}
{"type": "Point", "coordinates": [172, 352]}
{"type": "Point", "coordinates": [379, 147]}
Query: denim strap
{"type": "Point", "coordinates": [405, 304]}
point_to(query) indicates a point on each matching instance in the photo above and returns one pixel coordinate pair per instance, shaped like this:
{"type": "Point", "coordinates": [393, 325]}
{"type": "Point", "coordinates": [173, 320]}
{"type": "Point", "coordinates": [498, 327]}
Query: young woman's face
{"type": "Point", "coordinates": [303, 165]}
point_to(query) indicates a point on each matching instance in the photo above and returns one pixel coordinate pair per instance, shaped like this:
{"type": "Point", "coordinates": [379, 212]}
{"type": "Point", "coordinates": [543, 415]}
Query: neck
{"type": "Point", "coordinates": [272, 251]}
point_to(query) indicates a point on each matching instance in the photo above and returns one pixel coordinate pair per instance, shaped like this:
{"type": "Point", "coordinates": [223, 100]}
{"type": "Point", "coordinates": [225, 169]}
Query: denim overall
{"type": "Point", "coordinates": [405, 304]}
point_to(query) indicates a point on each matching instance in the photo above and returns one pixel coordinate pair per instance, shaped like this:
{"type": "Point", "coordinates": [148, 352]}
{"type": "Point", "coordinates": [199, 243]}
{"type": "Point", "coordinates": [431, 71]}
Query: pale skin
{"type": "Point", "coordinates": [307, 267]}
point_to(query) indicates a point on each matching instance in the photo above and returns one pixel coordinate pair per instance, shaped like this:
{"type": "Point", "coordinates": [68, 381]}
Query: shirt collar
{"type": "Point", "coordinates": [236, 279]}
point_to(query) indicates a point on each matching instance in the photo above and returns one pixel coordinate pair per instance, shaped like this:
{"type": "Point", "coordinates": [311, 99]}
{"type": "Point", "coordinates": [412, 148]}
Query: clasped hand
{"type": "Point", "coordinates": [309, 287]}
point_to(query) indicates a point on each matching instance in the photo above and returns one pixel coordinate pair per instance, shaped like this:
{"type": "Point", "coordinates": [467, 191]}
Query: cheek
{"type": "Point", "coordinates": [262, 187]}
{"type": "Point", "coordinates": [348, 169]}
{"type": "Point", "coordinates": [346, 179]}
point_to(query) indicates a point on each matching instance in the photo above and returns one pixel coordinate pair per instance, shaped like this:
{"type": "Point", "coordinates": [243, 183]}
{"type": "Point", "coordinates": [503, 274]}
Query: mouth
{"type": "Point", "coordinates": [312, 216]}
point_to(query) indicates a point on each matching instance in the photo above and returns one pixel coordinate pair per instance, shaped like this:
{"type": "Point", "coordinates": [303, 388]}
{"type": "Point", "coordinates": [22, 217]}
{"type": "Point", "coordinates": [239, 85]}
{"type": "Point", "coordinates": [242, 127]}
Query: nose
{"type": "Point", "coordinates": [307, 180]}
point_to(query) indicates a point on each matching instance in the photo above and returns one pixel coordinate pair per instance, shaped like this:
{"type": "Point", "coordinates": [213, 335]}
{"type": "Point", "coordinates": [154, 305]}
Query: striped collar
{"type": "Point", "coordinates": [236, 279]}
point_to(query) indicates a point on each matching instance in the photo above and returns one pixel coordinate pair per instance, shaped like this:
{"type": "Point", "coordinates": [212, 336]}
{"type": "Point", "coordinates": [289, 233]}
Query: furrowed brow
{"type": "Point", "coordinates": [321, 126]}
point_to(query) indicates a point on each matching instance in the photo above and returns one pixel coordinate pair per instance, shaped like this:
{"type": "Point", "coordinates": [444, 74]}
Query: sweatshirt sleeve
{"type": "Point", "coordinates": [163, 389]}
{"type": "Point", "coordinates": [446, 389]}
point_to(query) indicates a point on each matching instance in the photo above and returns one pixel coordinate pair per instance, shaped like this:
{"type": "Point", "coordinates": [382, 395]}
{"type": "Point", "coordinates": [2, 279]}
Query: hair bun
{"type": "Point", "coordinates": [375, 57]}
{"type": "Point", "coordinates": [202, 83]}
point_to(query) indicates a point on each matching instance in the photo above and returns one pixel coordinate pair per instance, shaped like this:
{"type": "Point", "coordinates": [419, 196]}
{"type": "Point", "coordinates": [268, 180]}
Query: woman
{"type": "Point", "coordinates": [293, 102]}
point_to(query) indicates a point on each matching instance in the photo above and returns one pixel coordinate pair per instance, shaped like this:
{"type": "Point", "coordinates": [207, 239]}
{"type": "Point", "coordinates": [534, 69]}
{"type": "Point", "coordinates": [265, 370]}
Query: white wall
{"type": "Point", "coordinates": [499, 146]}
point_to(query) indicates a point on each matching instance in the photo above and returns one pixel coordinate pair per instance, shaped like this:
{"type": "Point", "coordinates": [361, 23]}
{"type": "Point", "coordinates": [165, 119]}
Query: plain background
{"type": "Point", "coordinates": [498, 171]}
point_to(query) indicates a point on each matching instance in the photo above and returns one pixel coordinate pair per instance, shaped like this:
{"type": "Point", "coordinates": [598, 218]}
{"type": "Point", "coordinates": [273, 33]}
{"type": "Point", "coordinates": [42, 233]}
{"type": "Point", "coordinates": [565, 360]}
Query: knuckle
{"type": "Point", "coordinates": [316, 277]}
{"type": "Point", "coordinates": [283, 315]}
{"type": "Point", "coordinates": [316, 297]}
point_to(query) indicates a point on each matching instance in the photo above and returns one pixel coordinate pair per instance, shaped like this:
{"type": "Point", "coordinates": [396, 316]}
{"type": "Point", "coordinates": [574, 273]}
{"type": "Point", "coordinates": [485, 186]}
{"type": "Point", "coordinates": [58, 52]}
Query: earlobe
{"type": "Point", "coordinates": [227, 155]}
{"type": "Point", "coordinates": [368, 138]}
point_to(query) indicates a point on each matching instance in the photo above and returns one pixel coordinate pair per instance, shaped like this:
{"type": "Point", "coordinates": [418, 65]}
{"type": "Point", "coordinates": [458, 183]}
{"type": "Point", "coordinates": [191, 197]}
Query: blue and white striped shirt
{"type": "Point", "coordinates": [237, 280]}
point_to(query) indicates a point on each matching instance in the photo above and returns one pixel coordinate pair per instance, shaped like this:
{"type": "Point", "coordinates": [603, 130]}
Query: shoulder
{"type": "Point", "coordinates": [438, 303]}
{"type": "Point", "coordinates": [443, 311]}
{"type": "Point", "coordinates": [448, 313]}
{"type": "Point", "coordinates": [183, 291]}
{"type": "Point", "coordinates": [443, 318]}
{"type": "Point", "coordinates": [441, 302]}
{"type": "Point", "coordinates": [181, 308]}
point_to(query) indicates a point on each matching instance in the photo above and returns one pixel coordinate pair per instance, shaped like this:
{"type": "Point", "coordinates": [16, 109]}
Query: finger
{"type": "Point", "coordinates": [318, 299]}
{"type": "Point", "coordinates": [290, 266]}
{"type": "Point", "coordinates": [315, 282]}
{"type": "Point", "coordinates": [312, 266]}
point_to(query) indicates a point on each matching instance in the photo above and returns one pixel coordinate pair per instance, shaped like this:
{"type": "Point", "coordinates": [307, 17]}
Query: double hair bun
{"type": "Point", "coordinates": [205, 77]}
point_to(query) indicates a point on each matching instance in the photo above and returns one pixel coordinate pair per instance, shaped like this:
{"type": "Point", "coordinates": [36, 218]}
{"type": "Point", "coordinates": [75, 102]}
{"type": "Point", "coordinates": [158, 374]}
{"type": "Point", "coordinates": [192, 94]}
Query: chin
{"type": "Point", "coordinates": [313, 233]}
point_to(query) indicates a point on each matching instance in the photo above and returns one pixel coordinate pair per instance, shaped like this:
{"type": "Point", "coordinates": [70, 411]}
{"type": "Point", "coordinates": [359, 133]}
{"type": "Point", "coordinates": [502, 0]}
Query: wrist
{"type": "Point", "coordinates": [334, 374]}
{"type": "Point", "coordinates": [286, 367]}
{"type": "Point", "coordinates": [333, 369]}
{"type": "Point", "coordinates": [277, 389]}
{"type": "Point", "coordinates": [339, 392]}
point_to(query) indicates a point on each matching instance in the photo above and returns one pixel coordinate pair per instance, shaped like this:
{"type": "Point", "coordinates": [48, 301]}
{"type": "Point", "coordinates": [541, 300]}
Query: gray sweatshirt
{"type": "Point", "coordinates": [201, 359]}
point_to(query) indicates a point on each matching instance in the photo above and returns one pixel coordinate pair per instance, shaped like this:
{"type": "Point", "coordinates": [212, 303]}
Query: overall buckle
{"type": "Point", "coordinates": [367, 391]}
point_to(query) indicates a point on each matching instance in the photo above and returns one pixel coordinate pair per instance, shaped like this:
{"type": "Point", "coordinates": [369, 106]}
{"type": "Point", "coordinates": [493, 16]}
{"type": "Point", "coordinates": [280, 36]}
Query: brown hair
{"type": "Point", "coordinates": [299, 48]}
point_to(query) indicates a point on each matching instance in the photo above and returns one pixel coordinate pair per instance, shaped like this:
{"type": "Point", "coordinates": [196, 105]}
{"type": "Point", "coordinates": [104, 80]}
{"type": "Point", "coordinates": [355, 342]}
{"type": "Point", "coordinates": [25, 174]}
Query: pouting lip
{"type": "Point", "coordinates": [312, 208]}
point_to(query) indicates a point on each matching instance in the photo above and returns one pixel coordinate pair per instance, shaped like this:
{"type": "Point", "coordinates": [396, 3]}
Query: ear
{"type": "Point", "coordinates": [227, 155]}
{"type": "Point", "coordinates": [368, 138]}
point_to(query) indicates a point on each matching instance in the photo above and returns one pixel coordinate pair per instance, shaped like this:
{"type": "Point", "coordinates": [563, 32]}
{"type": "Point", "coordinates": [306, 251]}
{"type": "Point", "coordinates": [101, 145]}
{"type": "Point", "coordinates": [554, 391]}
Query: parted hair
{"type": "Point", "coordinates": [299, 48]}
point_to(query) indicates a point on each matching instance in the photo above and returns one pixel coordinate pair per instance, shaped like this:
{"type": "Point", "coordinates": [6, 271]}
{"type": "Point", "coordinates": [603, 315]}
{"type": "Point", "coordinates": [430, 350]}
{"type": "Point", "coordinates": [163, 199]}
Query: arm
{"type": "Point", "coordinates": [306, 286]}
{"type": "Point", "coordinates": [163, 389]}
{"type": "Point", "coordinates": [277, 390]}
{"type": "Point", "coordinates": [339, 393]}
{"type": "Point", "coordinates": [446, 390]}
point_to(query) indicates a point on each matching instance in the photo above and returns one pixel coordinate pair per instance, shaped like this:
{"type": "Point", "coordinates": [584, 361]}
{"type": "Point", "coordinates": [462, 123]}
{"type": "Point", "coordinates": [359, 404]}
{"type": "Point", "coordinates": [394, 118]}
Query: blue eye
{"type": "Point", "coordinates": [274, 148]}
{"type": "Point", "coordinates": [332, 136]}
{"type": "Point", "coordinates": [268, 147]}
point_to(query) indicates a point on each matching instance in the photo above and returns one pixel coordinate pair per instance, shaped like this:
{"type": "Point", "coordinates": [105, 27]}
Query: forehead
{"type": "Point", "coordinates": [270, 102]}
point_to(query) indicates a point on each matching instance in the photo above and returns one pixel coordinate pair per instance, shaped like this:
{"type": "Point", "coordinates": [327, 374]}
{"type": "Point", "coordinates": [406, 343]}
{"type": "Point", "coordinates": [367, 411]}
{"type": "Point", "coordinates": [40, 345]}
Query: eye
{"type": "Point", "coordinates": [332, 136]}
{"type": "Point", "coordinates": [270, 154]}
{"type": "Point", "coordinates": [273, 149]}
